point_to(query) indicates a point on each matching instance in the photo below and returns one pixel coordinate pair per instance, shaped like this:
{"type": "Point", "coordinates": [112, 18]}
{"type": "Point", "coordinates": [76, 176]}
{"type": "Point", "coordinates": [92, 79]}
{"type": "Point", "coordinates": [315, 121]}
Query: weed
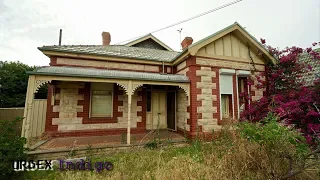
{"type": "Point", "coordinates": [89, 150]}
{"type": "Point", "coordinates": [123, 138]}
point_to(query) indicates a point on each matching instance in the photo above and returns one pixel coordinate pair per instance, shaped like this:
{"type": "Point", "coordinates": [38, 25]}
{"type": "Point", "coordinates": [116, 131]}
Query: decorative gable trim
{"type": "Point", "coordinates": [240, 31]}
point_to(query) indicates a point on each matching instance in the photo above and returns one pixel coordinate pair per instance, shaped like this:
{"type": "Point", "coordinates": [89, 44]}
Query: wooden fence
{"type": "Point", "coordinates": [10, 114]}
{"type": "Point", "coordinates": [38, 116]}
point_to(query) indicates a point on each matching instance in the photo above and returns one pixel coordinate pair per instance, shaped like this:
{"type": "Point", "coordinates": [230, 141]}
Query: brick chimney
{"type": "Point", "coordinates": [186, 42]}
{"type": "Point", "coordinates": [106, 38]}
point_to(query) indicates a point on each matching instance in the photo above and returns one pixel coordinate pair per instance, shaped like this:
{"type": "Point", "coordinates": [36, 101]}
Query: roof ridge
{"type": "Point", "coordinates": [72, 45]}
{"type": "Point", "coordinates": [133, 47]}
{"type": "Point", "coordinates": [148, 48]}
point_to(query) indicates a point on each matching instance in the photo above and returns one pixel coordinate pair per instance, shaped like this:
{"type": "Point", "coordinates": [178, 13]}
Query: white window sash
{"type": "Point", "coordinates": [101, 101]}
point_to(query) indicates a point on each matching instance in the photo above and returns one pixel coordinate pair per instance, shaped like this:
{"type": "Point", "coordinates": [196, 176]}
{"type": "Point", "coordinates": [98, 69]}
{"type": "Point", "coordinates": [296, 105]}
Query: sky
{"type": "Point", "coordinates": [26, 25]}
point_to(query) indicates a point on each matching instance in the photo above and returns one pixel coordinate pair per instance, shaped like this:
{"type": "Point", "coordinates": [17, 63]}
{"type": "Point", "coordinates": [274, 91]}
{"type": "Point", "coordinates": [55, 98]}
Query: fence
{"type": "Point", "coordinates": [38, 116]}
{"type": "Point", "coordinates": [10, 114]}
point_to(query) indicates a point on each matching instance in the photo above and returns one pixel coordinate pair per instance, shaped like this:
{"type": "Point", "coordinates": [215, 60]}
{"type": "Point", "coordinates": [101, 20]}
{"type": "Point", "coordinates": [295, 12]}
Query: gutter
{"type": "Point", "coordinates": [105, 77]}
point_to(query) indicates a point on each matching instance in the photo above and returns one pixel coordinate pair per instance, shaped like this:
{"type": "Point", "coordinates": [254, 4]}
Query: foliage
{"type": "Point", "coordinates": [273, 135]}
{"type": "Point", "coordinates": [287, 93]}
{"type": "Point", "coordinates": [123, 138]}
{"type": "Point", "coordinates": [152, 144]}
{"type": "Point", "coordinates": [11, 148]}
{"type": "Point", "coordinates": [228, 157]}
{"type": "Point", "coordinates": [14, 82]}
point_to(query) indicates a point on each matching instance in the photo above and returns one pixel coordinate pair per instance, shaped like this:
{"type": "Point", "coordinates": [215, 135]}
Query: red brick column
{"type": "Point", "coordinates": [194, 103]}
{"type": "Point", "coordinates": [86, 107]}
{"type": "Point", "coordinates": [50, 114]}
{"type": "Point", "coordinates": [217, 93]}
{"type": "Point", "coordinates": [143, 104]}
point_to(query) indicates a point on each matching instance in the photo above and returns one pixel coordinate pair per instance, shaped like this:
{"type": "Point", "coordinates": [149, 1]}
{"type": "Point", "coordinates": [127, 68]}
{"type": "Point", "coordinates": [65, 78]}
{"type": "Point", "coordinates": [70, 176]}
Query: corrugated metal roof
{"type": "Point", "coordinates": [108, 74]}
{"type": "Point", "coordinates": [134, 52]}
{"type": "Point", "coordinates": [116, 51]}
{"type": "Point", "coordinates": [309, 76]}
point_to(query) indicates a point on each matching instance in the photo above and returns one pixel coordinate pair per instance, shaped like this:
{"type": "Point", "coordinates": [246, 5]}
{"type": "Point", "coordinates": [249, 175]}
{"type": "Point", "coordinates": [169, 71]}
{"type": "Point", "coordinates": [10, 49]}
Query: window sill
{"type": "Point", "coordinates": [97, 120]}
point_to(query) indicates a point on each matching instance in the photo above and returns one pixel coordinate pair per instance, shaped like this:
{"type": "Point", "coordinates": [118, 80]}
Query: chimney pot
{"type": "Point", "coordinates": [186, 42]}
{"type": "Point", "coordinates": [106, 38]}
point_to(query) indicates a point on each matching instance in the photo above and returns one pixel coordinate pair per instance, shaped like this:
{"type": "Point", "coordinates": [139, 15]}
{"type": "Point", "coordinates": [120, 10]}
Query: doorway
{"type": "Point", "coordinates": [171, 110]}
{"type": "Point", "coordinates": [159, 110]}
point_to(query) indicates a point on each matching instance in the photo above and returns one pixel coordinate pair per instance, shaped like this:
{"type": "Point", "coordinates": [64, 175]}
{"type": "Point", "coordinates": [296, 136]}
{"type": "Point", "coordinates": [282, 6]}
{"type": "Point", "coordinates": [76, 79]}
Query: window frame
{"type": "Point", "coordinates": [91, 95]}
{"type": "Point", "coordinates": [227, 106]}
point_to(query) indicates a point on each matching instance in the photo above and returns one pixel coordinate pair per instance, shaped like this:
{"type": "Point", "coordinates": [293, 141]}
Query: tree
{"type": "Point", "coordinates": [288, 96]}
{"type": "Point", "coordinates": [13, 84]}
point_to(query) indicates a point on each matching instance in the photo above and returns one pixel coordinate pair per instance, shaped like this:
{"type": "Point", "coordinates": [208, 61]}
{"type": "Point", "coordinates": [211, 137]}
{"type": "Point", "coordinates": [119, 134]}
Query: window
{"type": "Point", "coordinates": [226, 90]}
{"type": "Point", "coordinates": [226, 84]}
{"type": "Point", "coordinates": [242, 91]}
{"type": "Point", "coordinates": [225, 106]}
{"type": "Point", "coordinates": [101, 100]}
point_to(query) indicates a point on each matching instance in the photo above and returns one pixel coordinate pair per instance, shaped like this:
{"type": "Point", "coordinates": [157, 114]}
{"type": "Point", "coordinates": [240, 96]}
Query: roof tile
{"type": "Point", "coordinates": [108, 74]}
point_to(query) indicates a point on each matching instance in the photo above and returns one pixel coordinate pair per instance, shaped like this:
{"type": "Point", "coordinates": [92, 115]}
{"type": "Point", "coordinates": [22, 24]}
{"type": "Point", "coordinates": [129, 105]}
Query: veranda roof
{"type": "Point", "coordinates": [107, 74]}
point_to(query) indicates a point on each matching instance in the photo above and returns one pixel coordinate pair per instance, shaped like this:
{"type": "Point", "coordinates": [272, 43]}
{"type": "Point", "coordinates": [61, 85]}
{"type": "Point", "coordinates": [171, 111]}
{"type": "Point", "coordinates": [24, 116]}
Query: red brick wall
{"type": "Point", "coordinates": [86, 107]}
{"type": "Point", "coordinates": [217, 93]}
{"type": "Point", "coordinates": [143, 104]}
{"type": "Point", "coordinates": [50, 114]}
{"type": "Point", "coordinates": [53, 129]}
{"type": "Point", "coordinates": [194, 103]}
{"type": "Point", "coordinates": [53, 62]}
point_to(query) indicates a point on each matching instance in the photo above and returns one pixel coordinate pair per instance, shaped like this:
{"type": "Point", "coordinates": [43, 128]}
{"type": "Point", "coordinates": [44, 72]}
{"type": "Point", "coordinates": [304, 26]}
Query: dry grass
{"type": "Point", "coordinates": [228, 157]}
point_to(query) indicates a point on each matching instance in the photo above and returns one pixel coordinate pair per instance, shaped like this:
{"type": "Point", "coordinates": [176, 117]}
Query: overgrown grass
{"type": "Point", "coordinates": [232, 155]}
{"type": "Point", "coordinates": [225, 158]}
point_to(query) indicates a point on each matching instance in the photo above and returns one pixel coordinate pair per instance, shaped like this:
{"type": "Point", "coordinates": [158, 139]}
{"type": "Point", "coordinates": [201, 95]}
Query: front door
{"type": "Point", "coordinates": [159, 108]}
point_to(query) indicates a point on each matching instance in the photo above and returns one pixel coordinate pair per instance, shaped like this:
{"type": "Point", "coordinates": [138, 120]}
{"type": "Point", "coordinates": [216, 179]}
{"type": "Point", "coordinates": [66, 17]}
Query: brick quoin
{"type": "Point", "coordinates": [50, 114]}
{"type": "Point", "coordinates": [141, 126]}
{"type": "Point", "coordinates": [86, 107]}
{"type": "Point", "coordinates": [142, 113]}
{"type": "Point", "coordinates": [53, 129]}
{"type": "Point", "coordinates": [194, 91]}
{"type": "Point", "coordinates": [217, 93]}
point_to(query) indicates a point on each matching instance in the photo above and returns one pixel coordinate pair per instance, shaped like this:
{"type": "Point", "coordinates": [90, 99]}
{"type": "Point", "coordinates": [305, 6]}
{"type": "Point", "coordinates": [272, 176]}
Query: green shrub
{"type": "Point", "coordinates": [273, 135]}
{"type": "Point", "coordinates": [152, 145]}
{"type": "Point", "coordinates": [280, 144]}
{"type": "Point", "coordinates": [11, 148]}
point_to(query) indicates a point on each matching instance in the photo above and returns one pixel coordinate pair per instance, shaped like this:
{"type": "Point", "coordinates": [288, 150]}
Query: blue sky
{"type": "Point", "coordinates": [26, 25]}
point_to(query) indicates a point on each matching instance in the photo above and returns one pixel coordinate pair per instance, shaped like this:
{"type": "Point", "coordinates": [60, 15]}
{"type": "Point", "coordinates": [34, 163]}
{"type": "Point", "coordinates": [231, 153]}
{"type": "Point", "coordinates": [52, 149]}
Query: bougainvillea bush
{"type": "Point", "coordinates": [287, 94]}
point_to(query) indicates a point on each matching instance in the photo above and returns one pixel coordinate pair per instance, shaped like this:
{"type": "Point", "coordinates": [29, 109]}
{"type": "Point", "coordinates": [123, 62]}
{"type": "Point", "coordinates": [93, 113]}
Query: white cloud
{"type": "Point", "coordinates": [26, 25]}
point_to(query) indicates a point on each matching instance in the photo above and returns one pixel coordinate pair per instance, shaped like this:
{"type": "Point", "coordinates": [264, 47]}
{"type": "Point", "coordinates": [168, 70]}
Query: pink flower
{"type": "Point", "coordinates": [291, 94]}
{"type": "Point", "coordinates": [309, 67]}
{"type": "Point", "coordinates": [309, 50]}
{"type": "Point", "coordinates": [249, 83]}
{"type": "Point", "coordinates": [263, 41]}
{"type": "Point", "coordinates": [309, 139]}
{"type": "Point", "coordinates": [313, 44]}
